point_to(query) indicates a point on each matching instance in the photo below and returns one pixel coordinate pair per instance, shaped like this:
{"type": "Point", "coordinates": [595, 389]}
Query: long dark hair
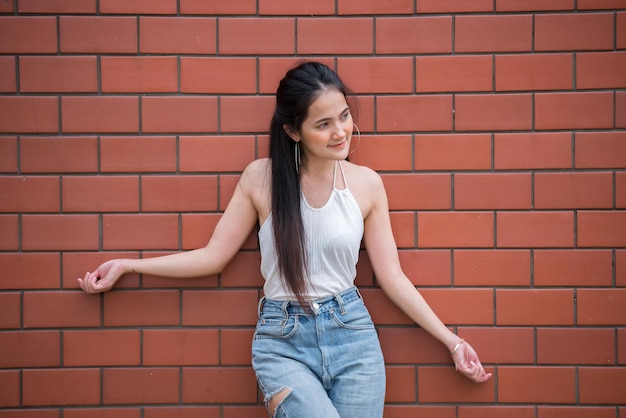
{"type": "Point", "coordinates": [296, 91]}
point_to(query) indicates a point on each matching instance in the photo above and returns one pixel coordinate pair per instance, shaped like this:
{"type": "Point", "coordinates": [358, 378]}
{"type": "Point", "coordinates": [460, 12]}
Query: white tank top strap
{"type": "Point", "coordinates": [343, 176]}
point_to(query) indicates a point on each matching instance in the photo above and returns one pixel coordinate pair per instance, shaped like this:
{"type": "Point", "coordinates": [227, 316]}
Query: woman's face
{"type": "Point", "coordinates": [327, 130]}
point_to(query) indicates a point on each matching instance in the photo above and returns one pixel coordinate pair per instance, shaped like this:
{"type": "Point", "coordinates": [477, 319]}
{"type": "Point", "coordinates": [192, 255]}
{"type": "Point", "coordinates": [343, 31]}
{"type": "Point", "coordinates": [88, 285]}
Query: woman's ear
{"type": "Point", "coordinates": [293, 134]}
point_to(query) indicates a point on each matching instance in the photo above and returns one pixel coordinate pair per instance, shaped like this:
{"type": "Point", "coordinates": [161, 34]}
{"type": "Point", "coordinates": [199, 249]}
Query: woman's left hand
{"type": "Point", "coordinates": [467, 363]}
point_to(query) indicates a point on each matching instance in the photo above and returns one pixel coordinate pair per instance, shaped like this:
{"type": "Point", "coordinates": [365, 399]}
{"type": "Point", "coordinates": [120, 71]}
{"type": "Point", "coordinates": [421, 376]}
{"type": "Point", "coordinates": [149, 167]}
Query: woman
{"type": "Point", "coordinates": [315, 350]}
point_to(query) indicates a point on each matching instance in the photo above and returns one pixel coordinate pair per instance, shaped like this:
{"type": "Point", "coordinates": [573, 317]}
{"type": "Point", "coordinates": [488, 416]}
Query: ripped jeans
{"type": "Point", "coordinates": [328, 361]}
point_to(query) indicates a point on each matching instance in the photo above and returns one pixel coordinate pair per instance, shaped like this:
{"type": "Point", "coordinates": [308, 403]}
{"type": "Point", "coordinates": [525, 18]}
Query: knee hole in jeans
{"type": "Point", "coordinates": [276, 400]}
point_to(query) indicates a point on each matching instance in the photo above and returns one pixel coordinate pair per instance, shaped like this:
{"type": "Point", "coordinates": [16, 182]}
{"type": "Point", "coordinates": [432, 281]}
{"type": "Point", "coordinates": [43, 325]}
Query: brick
{"type": "Point", "coordinates": [601, 229]}
{"type": "Point", "coordinates": [535, 229]}
{"type": "Point", "coordinates": [601, 306]}
{"type": "Point", "coordinates": [7, 7]}
{"type": "Point", "coordinates": [98, 34]}
{"type": "Point", "coordinates": [258, 111]}
{"type": "Point", "coordinates": [8, 83]}
{"type": "Point", "coordinates": [513, 345]}
{"type": "Point", "coordinates": [331, 35]}
{"type": "Point", "coordinates": [179, 114]}
{"type": "Point", "coordinates": [378, 75]}
{"type": "Point", "coordinates": [546, 150]}
{"type": "Point", "coordinates": [492, 191]}
{"type": "Point", "coordinates": [413, 35]}
{"type": "Point", "coordinates": [401, 411]}
{"type": "Point", "coordinates": [573, 110]}
{"type": "Point", "coordinates": [484, 33]}
{"type": "Point", "coordinates": [593, 346]}
{"type": "Point", "coordinates": [140, 232]}
{"type": "Point", "coordinates": [573, 190]}
{"type": "Point", "coordinates": [398, 345]}
{"type": "Point", "coordinates": [621, 344]}
{"type": "Point", "coordinates": [9, 225]}
{"type": "Point", "coordinates": [536, 384]}
{"type": "Point", "coordinates": [76, 264]}
{"type": "Point", "coordinates": [534, 72]}
{"type": "Point", "coordinates": [496, 411]}
{"type": "Point", "coordinates": [138, 6]}
{"type": "Point", "coordinates": [30, 194]}
{"type": "Point", "coordinates": [57, 6]}
{"type": "Point", "coordinates": [454, 6]}
{"type": "Point", "coordinates": [414, 113]}
{"type": "Point", "coordinates": [76, 154]}
{"type": "Point", "coordinates": [400, 384]}
{"type": "Point", "coordinates": [243, 270]}
{"type": "Point", "coordinates": [10, 310]}
{"type": "Point", "coordinates": [218, 75]}
{"type": "Point", "coordinates": [182, 412]}
{"type": "Point", "coordinates": [101, 348]}
{"type": "Point", "coordinates": [443, 385]}
{"type": "Point", "coordinates": [453, 306]}
{"type": "Point", "coordinates": [573, 32]}
{"type": "Point", "coordinates": [577, 411]}
{"type": "Point", "coordinates": [534, 307]}
{"type": "Point", "coordinates": [599, 5]}
{"type": "Point", "coordinates": [141, 386]}
{"type": "Point", "coordinates": [453, 152]}
{"type": "Point", "coordinates": [620, 109]}
{"type": "Point", "coordinates": [102, 412]}
{"type": "Point", "coordinates": [621, 30]}
{"type": "Point", "coordinates": [30, 413]}
{"type": "Point", "coordinates": [30, 271]}
{"type": "Point", "coordinates": [427, 267]}
{"type": "Point", "coordinates": [8, 154]}
{"type": "Point", "coordinates": [218, 8]}
{"type": "Point", "coordinates": [533, 5]}
{"type": "Point", "coordinates": [296, 7]}
{"type": "Point", "coordinates": [178, 193]}
{"type": "Point", "coordinates": [383, 152]}
{"type": "Point", "coordinates": [235, 347]}
{"type": "Point", "coordinates": [100, 194]}
{"type": "Point", "coordinates": [493, 112]}
{"type": "Point", "coordinates": [28, 35]}
{"type": "Point", "coordinates": [139, 74]}
{"type": "Point", "coordinates": [491, 267]}
{"type": "Point", "coordinates": [145, 308]}
{"type": "Point", "coordinates": [347, 7]}
{"type": "Point", "coordinates": [219, 307]}
{"type": "Point", "coordinates": [573, 268]}
{"type": "Point", "coordinates": [602, 385]}
{"type": "Point", "coordinates": [620, 190]}
{"type": "Point", "coordinates": [453, 73]}
{"type": "Point", "coordinates": [620, 268]}
{"type": "Point", "coordinates": [177, 35]}
{"type": "Point", "coordinates": [105, 114]}
{"type": "Point", "coordinates": [219, 385]}
{"type": "Point", "coordinates": [455, 229]}
{"type": "Point", "coordinates": [362, 108]}
{"type": "Point", "coordinates": [58, 74]}
{"type": "Point", "coordinates": [216, 154]}
{"type": "Point", "coordinates": [254, 36]}
{"type": "Point", "coordinates": [60, 309]}
{"type": "Point", "coordinates": [597, 70]}
{"type": "Point", "coordinates": [60, 232]}
{"type": "Point", "coordinates": [600, 150]}
{"type": "Point", "coordinates": [138, 154]}
{"type": "Point", "coordinates": [197, 228]}
{"type": "Point", "coordinates": [21, 349]}
{"type": "Point", "coordinates": [60, 387]}
{"type": "Point", "coordinates": [427, 191]}
{"type": "Point", "coordinates": [29, 114]}
{"type": "Point", "coordinates": [189, 347]}
{"type": "Point", "coordinates": [11, 386]}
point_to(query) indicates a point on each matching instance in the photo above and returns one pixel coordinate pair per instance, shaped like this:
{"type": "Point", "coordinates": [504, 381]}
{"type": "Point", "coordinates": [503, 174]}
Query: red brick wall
{"type": "Point", "coordinates": [499, 127]}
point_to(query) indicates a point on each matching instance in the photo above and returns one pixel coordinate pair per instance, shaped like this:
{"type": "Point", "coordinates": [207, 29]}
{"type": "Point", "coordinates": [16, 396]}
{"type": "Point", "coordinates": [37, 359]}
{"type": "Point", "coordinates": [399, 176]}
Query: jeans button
{"type": "Point", "coordinates": [316, 305]}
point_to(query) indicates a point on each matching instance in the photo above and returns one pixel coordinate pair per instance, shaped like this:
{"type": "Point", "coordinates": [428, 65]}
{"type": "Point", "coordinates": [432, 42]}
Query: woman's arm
{"type": "Point", "coordinates": [383, 254]}
{"type": "Point", "coordinates": [232, 230]}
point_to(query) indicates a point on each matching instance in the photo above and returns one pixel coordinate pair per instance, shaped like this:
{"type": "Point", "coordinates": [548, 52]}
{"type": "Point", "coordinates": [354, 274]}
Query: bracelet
{"type": "Point", "coordinates": [456, 347]}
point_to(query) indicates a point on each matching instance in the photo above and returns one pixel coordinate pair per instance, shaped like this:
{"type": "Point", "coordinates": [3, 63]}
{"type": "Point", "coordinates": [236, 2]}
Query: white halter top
{"type": "Point", "coordinates": [333, 239]}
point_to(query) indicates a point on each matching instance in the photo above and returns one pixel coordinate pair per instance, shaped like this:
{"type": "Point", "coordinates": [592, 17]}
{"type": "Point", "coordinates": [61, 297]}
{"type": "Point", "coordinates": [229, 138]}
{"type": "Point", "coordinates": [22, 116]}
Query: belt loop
{"type": "Point", "coordinates": [259, 308]}
{"type": "Point", "coordinates": [358, 292]}
{"type": "Point", "coordinates": [339, 300]}
{"type": "Point", "coordinates": [284, 307]}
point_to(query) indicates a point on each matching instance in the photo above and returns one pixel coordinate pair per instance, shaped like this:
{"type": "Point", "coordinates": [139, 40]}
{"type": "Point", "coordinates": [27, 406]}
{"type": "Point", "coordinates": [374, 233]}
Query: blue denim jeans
{"type": "Point", "coordinates": [328, 359]}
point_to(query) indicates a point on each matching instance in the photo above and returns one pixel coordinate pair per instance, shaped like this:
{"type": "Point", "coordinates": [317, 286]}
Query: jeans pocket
{"type": "Point", "coordinates": [354, 317]}
{"type": "Point", "coordinates": [276, 326]}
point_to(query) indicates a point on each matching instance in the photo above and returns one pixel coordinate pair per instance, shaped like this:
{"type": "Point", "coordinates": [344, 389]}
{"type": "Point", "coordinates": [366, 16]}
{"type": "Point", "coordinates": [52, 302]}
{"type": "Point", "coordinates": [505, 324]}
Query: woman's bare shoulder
{"type": "Point", "coordinates": [256, 174]}
{"type": "Point", "coordinates": [361, 176]}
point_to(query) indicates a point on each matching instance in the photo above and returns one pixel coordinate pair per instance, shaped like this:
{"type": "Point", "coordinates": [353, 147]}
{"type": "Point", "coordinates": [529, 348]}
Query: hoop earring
{"type": "Point", "coordinates": [358, 132]}
{"type": "Point", "coordinates": [296, 156]}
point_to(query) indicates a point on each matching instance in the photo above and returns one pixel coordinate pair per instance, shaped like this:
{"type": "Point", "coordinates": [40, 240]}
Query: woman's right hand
{"type": "Point", "coordinates": [103, 279]}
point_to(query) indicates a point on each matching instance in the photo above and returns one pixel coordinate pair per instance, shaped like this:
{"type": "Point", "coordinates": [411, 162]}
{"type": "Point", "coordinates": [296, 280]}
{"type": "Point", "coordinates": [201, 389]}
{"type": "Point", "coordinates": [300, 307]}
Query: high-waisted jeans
{"type": "Point", "coordinates": [328, 359]}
